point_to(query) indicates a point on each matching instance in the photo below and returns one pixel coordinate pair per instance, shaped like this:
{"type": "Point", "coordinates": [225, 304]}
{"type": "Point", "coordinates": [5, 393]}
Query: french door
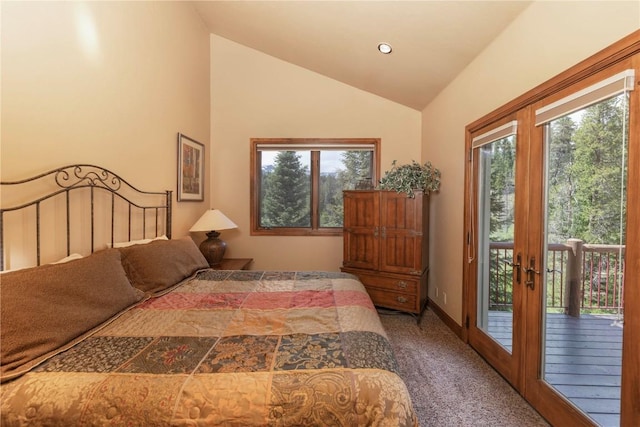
{"type": "Point", "coordinates": [552, 248]}
{"type": "Point", "coordinates": [497, 207]}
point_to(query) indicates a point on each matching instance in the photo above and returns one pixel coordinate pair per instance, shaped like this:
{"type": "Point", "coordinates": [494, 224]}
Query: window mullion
{"type": "Point", "coordinates": [315, 190]}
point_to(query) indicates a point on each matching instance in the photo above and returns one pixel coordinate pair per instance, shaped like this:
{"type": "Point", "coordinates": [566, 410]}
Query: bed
{"type": "Point", "coordinates": [142, 332]}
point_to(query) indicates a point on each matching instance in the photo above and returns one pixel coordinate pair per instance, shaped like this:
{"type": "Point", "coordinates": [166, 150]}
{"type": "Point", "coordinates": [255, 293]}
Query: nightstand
{"type": "Point", "coordinates": [234, 264]}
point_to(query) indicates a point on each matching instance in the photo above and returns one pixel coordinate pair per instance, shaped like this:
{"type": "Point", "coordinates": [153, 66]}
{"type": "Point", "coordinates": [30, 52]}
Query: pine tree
{"type": "Point", "coordinates": [357, 166]}
{"type": "Point", "coordinates": [561, 181]}
{"type": "Point", "coordinates": [502, 189]}
{"type": "Point", "coordinates": [600, 174]}
{"type": "Point", "coordinates": [331, 204]}
{"type": "Point", "coordinates": [286, 199]}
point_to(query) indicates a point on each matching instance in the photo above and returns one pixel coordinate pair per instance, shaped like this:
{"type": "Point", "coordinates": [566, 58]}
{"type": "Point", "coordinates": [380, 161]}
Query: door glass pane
{"type": "Point", "coordinates": [586, 170]}
{"type": "Point", "coordinates": [496, 197]}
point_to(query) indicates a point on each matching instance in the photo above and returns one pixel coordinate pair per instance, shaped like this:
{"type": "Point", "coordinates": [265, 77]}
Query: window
{"type": "Point", "coordinates": [296, 184]}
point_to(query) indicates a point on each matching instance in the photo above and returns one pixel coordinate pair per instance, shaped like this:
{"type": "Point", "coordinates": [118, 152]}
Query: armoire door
{"type": "Point", "coordinates": [402, 221]}
{"type": "Point", "coordinates": [362, 229]}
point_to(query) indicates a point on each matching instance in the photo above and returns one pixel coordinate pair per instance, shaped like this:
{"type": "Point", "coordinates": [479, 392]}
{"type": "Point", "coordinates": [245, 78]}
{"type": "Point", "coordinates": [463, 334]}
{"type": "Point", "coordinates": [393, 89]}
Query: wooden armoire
{"type": "Point", "coordinates": [386, 244]}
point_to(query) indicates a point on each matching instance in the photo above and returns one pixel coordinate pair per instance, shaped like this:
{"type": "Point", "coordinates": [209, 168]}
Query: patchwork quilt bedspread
{"type": "Point", "coordinates": [226, 348]}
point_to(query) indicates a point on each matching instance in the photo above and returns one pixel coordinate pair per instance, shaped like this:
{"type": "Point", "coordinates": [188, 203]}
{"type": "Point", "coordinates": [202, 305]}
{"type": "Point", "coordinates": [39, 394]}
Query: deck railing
{"type": "Point", "coordinates": [580, 277]}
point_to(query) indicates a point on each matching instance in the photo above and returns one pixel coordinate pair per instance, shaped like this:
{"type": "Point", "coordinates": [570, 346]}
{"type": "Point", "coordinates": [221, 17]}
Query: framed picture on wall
{"type": "Point", "coordinates": [190, 169]}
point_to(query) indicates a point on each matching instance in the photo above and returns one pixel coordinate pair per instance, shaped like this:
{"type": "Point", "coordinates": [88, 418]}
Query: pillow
{"type": "Point", "coordinates": [136, 242]}
{"type": "Point", "coordinates": [46, 309]}
{"type": "Point", "coordinates": [71, 257]}
{"type": "Point", "coordinates": [161, 264]}
{"type": "Point", "coordinates": [63, 260]}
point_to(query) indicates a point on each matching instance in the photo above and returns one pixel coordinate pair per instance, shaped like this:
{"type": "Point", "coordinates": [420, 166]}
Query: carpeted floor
{"type": "Point", "coordinates": [450, 384]}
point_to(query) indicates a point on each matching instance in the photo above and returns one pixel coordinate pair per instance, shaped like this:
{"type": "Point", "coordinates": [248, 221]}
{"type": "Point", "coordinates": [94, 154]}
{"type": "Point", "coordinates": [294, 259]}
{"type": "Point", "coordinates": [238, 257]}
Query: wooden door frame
{"type": "Point", "coordinates": [540, 394]}
{"type": "Point", "coordinates": [504, 362]}
{"type": "Point", "coordinates": [625, 49]}
{"type": "Point", "coordinates": [630, 414]}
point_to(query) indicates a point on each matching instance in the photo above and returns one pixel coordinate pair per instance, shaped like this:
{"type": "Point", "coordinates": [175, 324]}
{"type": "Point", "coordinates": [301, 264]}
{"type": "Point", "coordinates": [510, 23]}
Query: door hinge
{"type": "Point", "coordinates": [470, 153]}
{"type": "Point", "coordinates": [466, 322]}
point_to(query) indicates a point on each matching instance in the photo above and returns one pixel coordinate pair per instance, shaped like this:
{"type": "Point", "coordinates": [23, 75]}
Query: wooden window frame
{"type": "Point", "coordinates": [300, 144]}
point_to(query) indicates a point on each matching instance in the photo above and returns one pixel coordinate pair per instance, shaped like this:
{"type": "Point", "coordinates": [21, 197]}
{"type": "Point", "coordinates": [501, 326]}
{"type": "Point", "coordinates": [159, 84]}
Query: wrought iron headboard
{"type": "Point", "coordinates": [137, 205]}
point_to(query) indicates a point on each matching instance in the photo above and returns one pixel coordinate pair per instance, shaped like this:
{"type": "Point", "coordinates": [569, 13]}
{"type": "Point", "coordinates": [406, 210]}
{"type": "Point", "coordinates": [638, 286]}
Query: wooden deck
{"type": "Point", "coordinates": [582, 360]}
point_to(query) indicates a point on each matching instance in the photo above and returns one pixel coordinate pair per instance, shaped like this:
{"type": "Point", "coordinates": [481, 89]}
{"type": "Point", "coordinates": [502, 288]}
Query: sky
{"type": "Point", "coordinates": [331, 160]}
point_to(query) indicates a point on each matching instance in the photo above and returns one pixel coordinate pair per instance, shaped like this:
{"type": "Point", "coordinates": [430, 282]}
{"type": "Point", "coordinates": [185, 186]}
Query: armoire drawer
{"type": "Point", "coordinates": [401, 285]}
{"type": "Point", "coordinates": [394, 300]}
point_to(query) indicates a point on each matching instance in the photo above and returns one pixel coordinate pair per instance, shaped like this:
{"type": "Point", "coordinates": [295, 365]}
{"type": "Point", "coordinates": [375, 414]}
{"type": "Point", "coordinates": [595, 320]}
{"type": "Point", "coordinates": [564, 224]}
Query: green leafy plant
{"type": "Point", "coordinates": [409, 177]}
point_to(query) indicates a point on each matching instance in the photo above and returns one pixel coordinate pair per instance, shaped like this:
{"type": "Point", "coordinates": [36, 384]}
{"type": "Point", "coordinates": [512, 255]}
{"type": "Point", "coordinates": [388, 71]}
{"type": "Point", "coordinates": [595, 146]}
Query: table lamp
{"type": "Point", "coordinates": [213, 248]}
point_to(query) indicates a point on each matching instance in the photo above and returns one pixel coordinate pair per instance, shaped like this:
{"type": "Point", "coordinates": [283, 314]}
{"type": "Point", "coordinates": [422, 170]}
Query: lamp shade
{"type": "Point", "coordinates": [213, 219]}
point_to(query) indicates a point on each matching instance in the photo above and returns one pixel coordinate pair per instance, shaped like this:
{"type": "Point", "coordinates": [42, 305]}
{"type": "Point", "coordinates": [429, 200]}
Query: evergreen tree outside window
{"type": "Point", "coordinates": [297, 184]}
{"type": "Point", "coordinates": [285, 201]}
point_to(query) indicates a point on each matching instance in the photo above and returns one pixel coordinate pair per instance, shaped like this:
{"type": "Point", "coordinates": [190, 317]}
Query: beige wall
{"type": "Point", "coordinates": [256, 95]}
{"type": "Point", "coordinates": [106, 83]}
{"type": "Point", "coordinates": [546, 39]}
{"type": "Point", "coordinates": [112, 83]}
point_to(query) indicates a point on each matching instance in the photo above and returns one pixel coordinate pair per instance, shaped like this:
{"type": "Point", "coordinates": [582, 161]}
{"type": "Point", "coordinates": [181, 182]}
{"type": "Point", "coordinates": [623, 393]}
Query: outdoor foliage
{"type": "Point", "coordinates": [286, 189]}
{"type": "Point", "coordinates": [599, 171]}
{"type": "Point", "coordinates": [286, 192]}
{"type": "Point", "coordinates": [503, 177]}
{"type": "Point", "coordinates": [586, 185]}
{"type": "Point", "coordinates": [357, 166]}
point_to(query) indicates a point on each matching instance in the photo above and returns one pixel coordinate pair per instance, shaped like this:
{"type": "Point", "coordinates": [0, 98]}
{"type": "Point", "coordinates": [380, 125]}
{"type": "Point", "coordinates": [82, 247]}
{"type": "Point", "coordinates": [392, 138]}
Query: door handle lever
{"type": "Point", "coordinates": [531, 272]}
{"type": "Point", "coordinates": [516, 265]}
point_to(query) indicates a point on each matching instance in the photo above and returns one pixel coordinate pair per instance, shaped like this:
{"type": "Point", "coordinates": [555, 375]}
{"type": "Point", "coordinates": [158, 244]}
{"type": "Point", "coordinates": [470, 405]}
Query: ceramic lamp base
{"type": "Point", "coordinates": [213, 248]}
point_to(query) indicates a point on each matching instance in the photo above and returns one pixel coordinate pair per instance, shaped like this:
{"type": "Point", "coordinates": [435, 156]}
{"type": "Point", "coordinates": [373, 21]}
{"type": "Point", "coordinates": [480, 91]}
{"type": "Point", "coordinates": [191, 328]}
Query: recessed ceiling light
{"type": "Point", "coordinates": [385, 48]}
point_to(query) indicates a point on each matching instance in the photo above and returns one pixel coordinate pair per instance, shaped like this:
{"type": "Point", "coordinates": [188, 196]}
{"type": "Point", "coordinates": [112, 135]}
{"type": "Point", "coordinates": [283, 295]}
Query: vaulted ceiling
{"type": "Point", "coordinates": [433, 41]}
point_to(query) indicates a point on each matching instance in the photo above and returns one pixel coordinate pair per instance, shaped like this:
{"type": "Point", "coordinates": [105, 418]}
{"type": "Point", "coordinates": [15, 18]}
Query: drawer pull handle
{"type": "Point", "coordinates": [402, 284]}
{"type": "Point", "coordinates": [401, 300]}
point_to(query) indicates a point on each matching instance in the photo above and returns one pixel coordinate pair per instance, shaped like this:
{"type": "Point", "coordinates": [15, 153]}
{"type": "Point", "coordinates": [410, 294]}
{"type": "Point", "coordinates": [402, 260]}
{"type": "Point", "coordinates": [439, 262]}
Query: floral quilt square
{"type": "Point", "coordinates": [241, 354]}
{"type": "Point", "coordinates": [244, 275]}
{"type": "Point", "coordinates": [278, 275]}
{"type": "Point", "coordinates": [302, 351]}
{"type": "Point", "coordinates": [368, 350]}
{"type": "Point", "coordinates": [96, 354]}
{"type": "Point", "coordinates": [170, 355]}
